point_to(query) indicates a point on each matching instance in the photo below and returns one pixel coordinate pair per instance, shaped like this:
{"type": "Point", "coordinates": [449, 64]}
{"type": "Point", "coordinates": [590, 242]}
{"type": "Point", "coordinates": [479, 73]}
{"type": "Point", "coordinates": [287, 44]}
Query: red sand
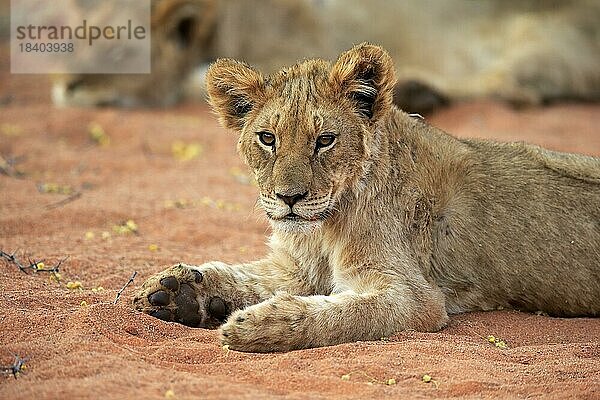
{"type": "Point", "coordinates": [109, 351]}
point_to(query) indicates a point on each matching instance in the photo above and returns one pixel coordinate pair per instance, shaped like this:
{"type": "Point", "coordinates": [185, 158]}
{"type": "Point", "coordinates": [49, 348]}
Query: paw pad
{"type": "Point", "coordinates": [163, 314]}
{"type": "Point", "coordinates": [179, 294]}
{"type": "Point", "coordinates": [160, 298]}
{"type": "Point", "coordinates": [171, 283]}
{"type": "Point", "coordinates": [187, 306]}
{"type": "Point", "coordinates": [218, 309]}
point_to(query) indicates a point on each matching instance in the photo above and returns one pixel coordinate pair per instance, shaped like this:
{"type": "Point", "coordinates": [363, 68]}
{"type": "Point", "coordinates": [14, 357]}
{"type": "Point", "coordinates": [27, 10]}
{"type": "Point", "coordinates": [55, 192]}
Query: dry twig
{"type": "Point", "coordinates": [39, 267]}
{"type": "Point", "coordinates": [36, 266]}
{"type": "Point", "coordinates": [12, 259]}
{"type": "Point", "coordinates": [129, 282]}
{"type": "Point", "coordinates": [64, 201]}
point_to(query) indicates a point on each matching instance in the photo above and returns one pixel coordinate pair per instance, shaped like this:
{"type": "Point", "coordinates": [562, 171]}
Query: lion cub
{"type": "Point", "coordinates": [381, 222]}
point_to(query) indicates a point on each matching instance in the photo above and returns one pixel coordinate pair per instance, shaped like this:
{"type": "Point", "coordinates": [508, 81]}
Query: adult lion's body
{"type": "Point", "coordinates": [522, 51]}
{"type": "Point", "coordinates": [380, 221]}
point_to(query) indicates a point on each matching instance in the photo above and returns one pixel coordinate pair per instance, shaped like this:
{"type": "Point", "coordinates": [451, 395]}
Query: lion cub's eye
{"type": "Point", "coordinates": [266, 138]}
{"type": "Point", "coordinates": [325, 140]}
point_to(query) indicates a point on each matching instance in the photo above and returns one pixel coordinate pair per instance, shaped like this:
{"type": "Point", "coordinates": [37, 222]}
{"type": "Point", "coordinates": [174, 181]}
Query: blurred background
{"type": "Point", "coordinates": [522, 52]}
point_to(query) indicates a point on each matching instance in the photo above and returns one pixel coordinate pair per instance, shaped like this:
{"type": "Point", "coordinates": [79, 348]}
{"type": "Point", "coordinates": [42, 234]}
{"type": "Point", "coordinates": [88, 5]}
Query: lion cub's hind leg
{"type": "Point", "coordinates": [182, 294]}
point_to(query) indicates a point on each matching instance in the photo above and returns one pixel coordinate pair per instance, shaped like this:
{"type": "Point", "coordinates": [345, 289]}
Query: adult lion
{"type": "Point", "coordinates": [522, 51]}
{"type": "Point", "coordinates": [381, 222]}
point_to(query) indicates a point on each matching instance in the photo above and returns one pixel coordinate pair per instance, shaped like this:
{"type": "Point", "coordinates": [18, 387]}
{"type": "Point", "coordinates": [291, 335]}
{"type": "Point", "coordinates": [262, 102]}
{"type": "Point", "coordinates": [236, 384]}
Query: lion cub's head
{"type": "Point", "coordinates": [308, 131]}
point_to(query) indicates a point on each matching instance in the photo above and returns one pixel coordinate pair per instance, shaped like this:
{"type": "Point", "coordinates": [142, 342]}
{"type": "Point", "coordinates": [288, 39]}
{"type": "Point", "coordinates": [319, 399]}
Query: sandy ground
{"type": "Point", "coordinates": [81, 345]}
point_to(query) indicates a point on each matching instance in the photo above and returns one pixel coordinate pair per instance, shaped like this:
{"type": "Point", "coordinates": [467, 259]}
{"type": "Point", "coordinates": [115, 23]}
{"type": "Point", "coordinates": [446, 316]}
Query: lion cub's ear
{"type": "Point", "coordinates": [233, 90]}
{"type": "Point", "coordinates": [365, 74]}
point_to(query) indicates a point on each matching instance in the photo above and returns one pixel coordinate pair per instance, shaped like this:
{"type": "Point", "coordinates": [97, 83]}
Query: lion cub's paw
{"type": "Point", "coordinates": [182, 294]}
{"type": "Point", "coordinates": [278, 324]}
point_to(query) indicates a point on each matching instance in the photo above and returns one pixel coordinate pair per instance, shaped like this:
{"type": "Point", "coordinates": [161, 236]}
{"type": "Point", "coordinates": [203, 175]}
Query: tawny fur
{"type": "Point", "coordinates": [401, 223]}
{"type": "Point", "coordinates": [523, 51]}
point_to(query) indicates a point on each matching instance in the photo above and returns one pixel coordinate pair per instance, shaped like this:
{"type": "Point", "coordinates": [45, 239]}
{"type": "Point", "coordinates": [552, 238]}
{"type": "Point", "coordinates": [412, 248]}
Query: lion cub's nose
{"type": "Point", "coordinates": [293, 199]}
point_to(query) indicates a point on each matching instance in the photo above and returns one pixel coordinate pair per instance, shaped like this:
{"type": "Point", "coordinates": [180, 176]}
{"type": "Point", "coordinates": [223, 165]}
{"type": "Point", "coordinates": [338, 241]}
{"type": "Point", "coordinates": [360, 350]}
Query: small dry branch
{"type": "Point", "coordinates": [12, 259]}
{"type": "Point", "coordinates": [129, 282]}
{"type": "Point", "coordinates": [64, 201]}
{"type": "Point", "coordinates": [36, 266]}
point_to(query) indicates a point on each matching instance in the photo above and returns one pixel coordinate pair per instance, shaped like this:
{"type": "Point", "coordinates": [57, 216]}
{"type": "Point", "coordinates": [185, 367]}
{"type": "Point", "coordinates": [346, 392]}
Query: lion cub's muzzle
{"type": "Point", "coordinates": [296, 207]}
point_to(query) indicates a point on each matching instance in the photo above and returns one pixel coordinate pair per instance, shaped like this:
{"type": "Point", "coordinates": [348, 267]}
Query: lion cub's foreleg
{"type": "Point", "coordinates": [286, 322]}
{"type": "Point", "coordinates": [205, 295]}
